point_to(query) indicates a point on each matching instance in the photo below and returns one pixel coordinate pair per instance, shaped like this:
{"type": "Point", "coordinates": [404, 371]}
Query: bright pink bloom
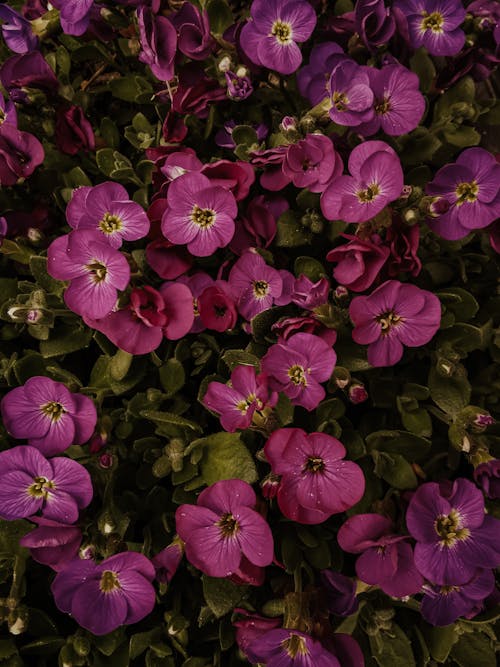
{"type": "Point", "coordinates": [198, 282]}
{"type": "Point", "coordinates": [315, 480]}
{"type": "Point", "coordinates": [256, 284]}
{"type": "Point", "coordinates": [359, 262]}
{"type": "Point", "coordinates": [96, 271]}
{"type": "Point", "coordinates": [393, 316]}
{"type": "Point", "coordinates": [237, 401]}
{"type": "Point", "coordinates": [168, 260]}
{"type": "Point", "coordinates": [223, 528]}
{"type": "Point", "coordinates": [199, 214]}
{"type": "Point", "coordinates": [297, 366]}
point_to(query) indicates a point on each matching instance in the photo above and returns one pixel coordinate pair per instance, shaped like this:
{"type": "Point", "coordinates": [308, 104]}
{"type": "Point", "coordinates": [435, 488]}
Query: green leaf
{"type": "Point", "coordinates": [409, 445]}
{"type": "Point", "coordinates": [440, 641]}
{"type": "Point", "coordinates": [220, 15]}
{"type": "Point", "coordinates": [290, 233]}
{"type": "Point", "coordinates": [393, 648]}
{"type": "Point", "coordinates": [169, 418]}
{"type": "Point", "coordinates": [452, 393]}
{"type": "Point", "coordinates": [172, 376]}
{"type": "Point", "coordinates": [65, 340]}
{"type": "Point", "coordinates": [221, 595]}
{"type": "Point", "coordinates": [224, 456]}
{"type": "Point", "coordinates": [460, 302]}
{"type": "Point", "coordinates": [234, 358]}
{"type": "Point", "coordinates": [244, 135]}
{"type": "Point", "coordinates": [395, 470]}
{"type": "Point", "coordinates": [131, 88]}
{"type": "Point", "coordinates": [310, 267]}
{"type": "Point", "coordinates": [421, 63]}
{"type": "Point", "coordinates": [474, 649]}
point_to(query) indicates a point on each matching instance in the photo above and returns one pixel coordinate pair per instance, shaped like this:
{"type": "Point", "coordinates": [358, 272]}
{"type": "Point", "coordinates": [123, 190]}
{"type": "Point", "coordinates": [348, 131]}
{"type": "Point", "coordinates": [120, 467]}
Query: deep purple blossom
{"type": "Point", "coordinates": [167, 561]}
{"type": "Point", "coordinates": [434, 24]}
{"type": "Point", "coordinates": [96, 272]}
{"type": "Point", "coordinates": [199, 214]}
{"type": "Point", "coordinates": [75, 16]}
{"type": "Point", "coordinates": [48, 415]}
{"type": "Point", "coordinates": [311, 163]}
{"type": "Point", "coordinates": [270, 38]}
{"type": "Point", "coordinates": [309, 295]}
{"type": "Point", "coordinates": [217, 306]}
{"type": "Point", "coordinates": [52, 543]}
{"type": "Point", "coordinates": [454, 536]}
{"type": "Point", "coordinates": [250, 626]}
{"type": "Point", "coordinates": [256, 228]}
{"type": "Point", "coordinates": [238, 87]}
{"type": "Point", "coordinates": [393, 316]}
{"type": "Point", "coordinates": [487, 477]}
{"type": "Point", "coordinates": [359, 262]}
{"type": "Point", "coordinates": [193, 26]}
{"type": "Point", "coordinates": [73, 131]}
{"type": "Point", "coordinates": [298, 365]}
{"type": "Point", "coordinates": [104, 597]}
{"type": "Point", "coordinates": [374, 22]}
{"type": "Point", "coordinates": [386, 558]}
{"type": "Point", "coordinates": [8, 112]}
{"type": "Point", "coordinates": [237, 401]}
{"type": "Point", "coordinates": [470, 188]}
{"type": "Point", "coordinates": [351, 96]}
{"type": "Point", "coordinates": [17, 31]}
{"type": "Point", "coordinates": [315, 480]}
{"type": "Point", "coordinates": [158, 39]}
{"type": "Point", "coordinates": [223, 527]}
{"type": "Point", "coordinates": [27, 70]}
{"type": "Point", "coordinates": [20, 154]}
{"type": "Point", "coordinates": [376, 180]}
{"type": "Point", "coordinates": [340, 592]}
{"type": "Point", "coordinates": [58, 488]}
{"type": "Point", "coordinates": [256, 285]}
{"type": "Point", "coordinates": [313, 78]}
{"type": "Point", "coordinates": [289, 648]}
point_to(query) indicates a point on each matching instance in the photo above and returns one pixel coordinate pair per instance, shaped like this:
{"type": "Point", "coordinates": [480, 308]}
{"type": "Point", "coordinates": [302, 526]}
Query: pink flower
{"type": "Point", "coordinates": [312, 163]}
{"type": "Point", "coordinates": [256, 284]}
{"type": "Point", "coordinates": [52, 543]}
{"type": "Point", "coordinates": [392, 316]}
{"type": "Point", "coordinates": [315, 480]}
{"type": "Point", "coordinates": [167, 260]}
{"type": "Point", "coordinates": [359, 262]}
{"type": "Point", "coordinates": [223, 528]}
{"type": "Point", "coordinates": [217, 307]}
{"type": "Point", "coordinates": [199, 214]}
{"type": "Point", "coordinates": [297, 366]}
{"type": "Point", "coordinates": [403, 244]}
{"type": "Point", "coordinates": [167, 561]}
{"type": "Point", "coordinates": [237, 401]}
{"type": "Point", "coordinates": [309, 295]}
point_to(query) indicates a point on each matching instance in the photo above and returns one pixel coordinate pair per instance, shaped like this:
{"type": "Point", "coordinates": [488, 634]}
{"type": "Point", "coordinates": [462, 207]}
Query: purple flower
{"type": "Point", "coordinates": [103, 597]}
{"type": "Point", "coordinates": [167, 561]}
{"type": "Point", "coordinates": [340, 593]}
{"type": "Point", "coordinates": [269, 39]}
{"type": "Point", "coordinates": [434, 24]}
{"type": "Point", "coordinates": [217, 306]}
{"type": "Point", "coordinates": [398, 104]}
{"type": "Point", "coordinates": [28, 70]}
{"type": "Point", "coordinates": [75, 16]}
{"type": "Point", "coordinates": [471, 189]}
{"type": "Point", "coordinates": [158, 39]}
{"type": "Point", "coordinates": [250, 626]}
{"type": "Point", "coordinates": [167, 260]}
{"type": "Point", "coordinates": [359, 262]}
{"type": "Point", "coordinates": [193, 26]}
{"type": "Point", "coordinates": [237, 401]}
{"type": "Point", "coordinates": [311, 163]}
{"type": "Point", "coordinates": [3, 228]}
{"type": "Point", "coordinates": [238, 87]}
{"type": "Point", "coordinates": [107, 209]}
{"type": "Point", "coordinates": [95, 269]}
{"type": "Point", "coordinates": [256, 284]}
{"type": "Point", "coordinates": [454, 536]}
{"type": "Point", "coordinates": [297, 366]}
{"type": "Point", "coordinates": [309, 295]}
{"type": "Point", "coordinates": [20, 154]}
{"type": "Point", "coordinates": [73, 131]}
{"type": "Point", "coordinates": [442, 605]}
{"type": "Point", "coordinates": [374, 22]}
{"type": "Point", "coordinates": [223, 528]}
{"type": "Point", "coordinates": [8, 113]}
{"type": "Point", "coordinates": [313, 78]}
{"type": "Point", "coordinates": [289, 648]}
{"type": "Point", "coordinates": [58, 488]}
{"type": "Point", "coordinates": [386, 558]}
{"type": "Point", "coordinates": [199, 214]}
{"type": "Point", "coordinates": [350, 94]}
{"type": "Point", "coordinates": [17, 31]}
{"type": "Point", "coordinates": [52, 543]}
{"type": "Point", "coordinates": [48, 415]}
{"type": "Point", "coordinates": [487, 476]}
{"type": "Point", "coordinates": [257, 227]}
{"type": "Point", "coordinates": [315, 480]}
{"type": "Point", "coordinates": [395, 314]}
{"type": "Point", "coordinates": [224, 139]}
{"type": "Point", "coordinates": [376, 180]}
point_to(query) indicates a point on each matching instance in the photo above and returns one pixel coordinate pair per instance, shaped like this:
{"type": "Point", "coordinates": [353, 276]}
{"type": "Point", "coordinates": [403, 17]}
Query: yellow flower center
{"type": "Point", "coordinates": [109, 581]}
{"type": "Point", "coordinates": [203, 217]}
{"type": "Point", "coordinates": [110, 223]}
{"type": "Point", "coordinates": [98, 271]}
{"type": "Point", "coordinates": [228, 525]}
{"type": "Point", "coordinates": [260, 288]}
{"type": "Point", "coordinates": [53, 410]}
{"type": "Point", "coordinates": [340, 101]}
{"type": "Point", "coordinates": [382, 107]}
{"type": "Point", "coordinates": [314, 464]}
{"type": "Point", "coordinates": [368, 195]}
{"type": "Point", "coordinates": [295, 646]}
{"type": "Point", "coordinates": [297, 375]}
{"type": "Point", "coordinates": [466, 192]}
{"type": "Point", "coordinates": [282, 31]}
{"type": "Point", "coordinates": [388, 320]}
{"type": "Point", "coordinates": [432, 22]}
{"type": "Point", "coordinates": [41, 487]}
{"type": "Point", "coordinates": [449, 528]}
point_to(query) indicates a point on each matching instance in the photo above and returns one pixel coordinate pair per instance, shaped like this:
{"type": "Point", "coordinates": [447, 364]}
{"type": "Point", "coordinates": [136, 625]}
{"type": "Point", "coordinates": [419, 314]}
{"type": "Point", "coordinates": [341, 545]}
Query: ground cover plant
{"type": "Point", "coordinates": [249, 345]}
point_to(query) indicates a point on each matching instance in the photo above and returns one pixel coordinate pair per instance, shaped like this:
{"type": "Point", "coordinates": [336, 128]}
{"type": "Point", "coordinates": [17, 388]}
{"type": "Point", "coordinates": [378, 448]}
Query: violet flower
{"type": "Point", "coordinates": [17, 31]}
{"type": "Point", "coordinates": [20, 154]}
{"type": "Point", "coordinates": [289, 648]}
{"type": "Point", "coordinates": [58, 488]}
{"type": "Point", "coordinates": [48, 415]}
{"type": "Point", "coordinates": [270, 38]}
{"type": "Point", "coordinates": [256, 228]}
{"type": "Point", "coordinates": [28, 70]}
{"type": "Point", "coordinates": [312, 79]}
{"type": "Point", "coordinates": [158, 39]}
{"type": "Point", "coordinates": [250, 626]}
{"type": "Point", "coordinates": [52, 543]}
{"type": "Point", "coordinates": [374, 22]}
{"type": "Point", "coordinates": [309, 295]}
{"type": "Point", "coordinates": [256, 285]}
{"type": "Point", "coordinates": [73, 131]}
{"type": "Point", "coordinates": [311, 163]}
{"type": "Point", "coordinates": [237, 401]}
{"type": "Point", "coordinates": [454, 536]}
{"type": "Point", "coordinates": [434, 24]}
{"type": "Point", "coordinates": [223, 527]}
{"type": "Point", "coordinates": [167, 561]}
{"type": "Point", "coordinates": [297, 366]}
{"type": "Point", "coordinates": [75, 16]}
{"type": "Point", "coordinates": [386, 558]}
{"type": "Point", "coordinates": [487, 477]}
{"type": "Point", "coordinates": [238, 87]}
{"type": "Point", "coordinates": [193, 26]}
{"type": "Point", "coordinates": [199, 214]}
{"type": "Point", "coordinates": [340, 593]}
{"type": "Point", "coordinates": [96, 272]}
{"type": "Point", "coordinates": [223, 137]}
{"type": "Point", "coordinates": [315, 480]}
{"type": "Point", "coordinates": [350, 94]}
{"type": "Point", "coordinates": [103, 597]}
{"type": "Point", "coordinates": [8, 113]}
{"type": "Point", "coordinates": [376, 180]}
{"type": "Point", "coordinates": [393, 316]}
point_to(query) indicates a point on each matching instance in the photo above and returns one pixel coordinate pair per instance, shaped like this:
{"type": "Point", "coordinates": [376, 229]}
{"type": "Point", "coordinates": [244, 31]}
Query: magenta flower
{"type": "Point", "coordinates": [312, 163]}
{"type": "Point", "coordinates": [104, 597]}
{"type": "Point", "coordinates": [158, 39]}
{"type": "Point", "coordinates": [256, 285]}
{"type": "Point", "coordinates": [198, 282]}
{"type": "Point", "coordinates": [237, 401]}
{"type": "Point", "coordinates": [289, 648]}
{"type": "Point", "coordinates": [393, 316]}
{"type": "Point", "coordinates": [313, 78]}
{"type": "Point", "coordinates": [376, 180]}
{"type": "Point", "coordinates": [374, 22]}
{"type": "Point", "coordinates": [398, 104]}
{"type": "Point", "coordinates": [309, 295]}
{"type": "Point", "coordinates": [96, 271]}
{"type": "Point", "coordinates": [434, 24]}
{"type": "Point", "coordinates": [470, 188]}
{"type": "Point", "coordinates": [167, 260]}
{"type": "Point", "coordinates": [315, 480]}
{"type": "Point", "coordinates": [167, 561]}
{"type": "Point", "coordinates": [270, 38]}
{"type": "Point", "coordinates": [217, 307]}
{"type": "Point", "coordinates": [17, 31]}
{"type": "Point", "coordinates": [48, 415]}
{"type": "Point", "coordinates": [73, 131]}
{"type": "Point", "coordinates": [250, 626]}
{"type": "Point", "coordinates": [454, 536]}
{"type": "Point", "coordinates": [403, 242]}
{"type": "Point", "coordinates": [297, 366]}
{"type": "Point", "coordinates": [20, 154]}
{"type": "Point", "coordinates": [52, 543]}
{"type": "Point", "coordinates": [199, 214]}
{"type": "Point", "coordinates": [386, 558]}
{"type": "Point", "coordinates": [238, 87]}
{"type": "Point", "coordinates": [223, 528]}
{"type": "Point", "coordinates": [487, 477]}
{"type": "Point", "coordinates": [58, 488]}
{"type": "Point", "coordinates": [150, 316]}
{"type": "Point", "coordinates": [350, 94]}
{"type": "Point", "coordinates": [75, 16]}
{"type": "Point", "coordinates": [193, 26]}
{"type": "Point", "coordinates": [107, 209]}
{"type": "Point", "coordinates": [359, 262]}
